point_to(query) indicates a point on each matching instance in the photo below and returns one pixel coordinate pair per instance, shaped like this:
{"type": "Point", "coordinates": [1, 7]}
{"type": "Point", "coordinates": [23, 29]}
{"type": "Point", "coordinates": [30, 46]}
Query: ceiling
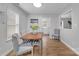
{"type": "Point", "coordinates": [47, 8]}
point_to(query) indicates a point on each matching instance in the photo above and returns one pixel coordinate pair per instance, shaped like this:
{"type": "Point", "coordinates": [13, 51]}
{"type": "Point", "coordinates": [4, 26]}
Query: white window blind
{"type": "Point", "coordinates": [12, 23]}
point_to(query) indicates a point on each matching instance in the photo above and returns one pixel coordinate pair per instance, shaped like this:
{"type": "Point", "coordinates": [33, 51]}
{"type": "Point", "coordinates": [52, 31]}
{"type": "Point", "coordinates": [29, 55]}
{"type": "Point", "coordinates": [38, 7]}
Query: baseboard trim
{"type": "Point", "coordinates": [7, 52]}
{"type": "Point", "coordinates": [76, 52]}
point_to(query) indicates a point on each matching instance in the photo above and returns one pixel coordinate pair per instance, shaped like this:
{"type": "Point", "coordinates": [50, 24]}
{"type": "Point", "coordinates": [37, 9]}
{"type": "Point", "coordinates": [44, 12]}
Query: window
{"type": "Point", "coordinates": [12, 23]}
{"type": "Point", "coordinates": [66, 20]}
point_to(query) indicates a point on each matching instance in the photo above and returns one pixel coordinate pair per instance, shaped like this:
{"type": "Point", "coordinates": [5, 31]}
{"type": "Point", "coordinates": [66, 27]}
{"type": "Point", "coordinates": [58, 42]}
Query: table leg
{"type": "Point", "coordinates": [41, 47]}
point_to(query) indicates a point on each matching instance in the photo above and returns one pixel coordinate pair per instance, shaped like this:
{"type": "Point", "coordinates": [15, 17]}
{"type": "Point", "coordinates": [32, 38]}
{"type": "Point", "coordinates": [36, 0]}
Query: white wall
{"type": "Point", "coordinates": [71, 36]}
{"type": "Point", "coordinates": [6, 46]}
{"type": "Point", "coordinates": [54, 23]}
{"type": "Point", "coordinates": [51, 19]}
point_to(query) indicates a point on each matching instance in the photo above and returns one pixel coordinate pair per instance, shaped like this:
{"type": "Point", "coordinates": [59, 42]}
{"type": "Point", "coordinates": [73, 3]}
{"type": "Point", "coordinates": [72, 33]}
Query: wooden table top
{"type": "Point", "coordinates": [31, 36]}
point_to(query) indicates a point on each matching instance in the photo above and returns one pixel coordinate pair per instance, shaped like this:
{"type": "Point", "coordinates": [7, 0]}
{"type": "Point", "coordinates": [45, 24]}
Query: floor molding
{"type": "Point", "coordinates": [7, 52]}
{"type": "Point", "coordinates": [76, 52]}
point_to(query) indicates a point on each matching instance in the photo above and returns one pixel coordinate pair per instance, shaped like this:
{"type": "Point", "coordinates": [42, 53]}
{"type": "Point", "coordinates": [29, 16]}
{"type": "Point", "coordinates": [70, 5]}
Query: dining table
{"type": "Point", "coordinates": [33, 37]}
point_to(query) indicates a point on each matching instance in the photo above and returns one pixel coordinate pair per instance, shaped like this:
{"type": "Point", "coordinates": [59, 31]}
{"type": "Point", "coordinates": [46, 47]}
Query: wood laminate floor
{"type": "Point", "coordinates": [51, 47]}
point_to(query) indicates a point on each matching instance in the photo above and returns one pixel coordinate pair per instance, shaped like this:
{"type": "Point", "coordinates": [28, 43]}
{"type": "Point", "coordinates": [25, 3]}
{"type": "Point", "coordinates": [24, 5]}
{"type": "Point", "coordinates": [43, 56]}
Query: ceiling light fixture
{"type": "Point", "coordinates": [37, 5]}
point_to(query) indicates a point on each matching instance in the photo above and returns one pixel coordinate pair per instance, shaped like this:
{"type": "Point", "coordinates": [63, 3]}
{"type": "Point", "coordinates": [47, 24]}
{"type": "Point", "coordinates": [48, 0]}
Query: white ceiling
{"type": "Point", "coordinates": [47, 8]}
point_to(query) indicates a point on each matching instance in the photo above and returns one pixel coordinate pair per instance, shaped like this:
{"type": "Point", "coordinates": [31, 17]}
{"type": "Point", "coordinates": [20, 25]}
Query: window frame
{"type": "Point", "coordinates": [16, 24]}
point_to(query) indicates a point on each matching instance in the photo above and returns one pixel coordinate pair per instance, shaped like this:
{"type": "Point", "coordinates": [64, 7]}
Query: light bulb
{"type": "Point", "coordinates": [37, 5]}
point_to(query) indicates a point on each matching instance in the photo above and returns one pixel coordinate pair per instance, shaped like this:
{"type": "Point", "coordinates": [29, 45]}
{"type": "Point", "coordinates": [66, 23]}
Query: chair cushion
{"type": "Point", "coordinates": [20, 41]}
{"type": "Point", "coordinates": [24, 49]}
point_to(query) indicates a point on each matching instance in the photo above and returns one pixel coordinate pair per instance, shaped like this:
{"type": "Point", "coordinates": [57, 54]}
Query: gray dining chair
{"type": "Point", "coordinates": [56, 34]}
{"type": "Point", "coordinates": [22, 48]}
{"type": "Point", "coordinates": [18, 35]}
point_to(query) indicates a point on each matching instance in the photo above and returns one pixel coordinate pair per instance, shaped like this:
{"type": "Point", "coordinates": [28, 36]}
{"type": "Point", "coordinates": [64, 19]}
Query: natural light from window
{"type": "Point", "coordinates": [12, 23]}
